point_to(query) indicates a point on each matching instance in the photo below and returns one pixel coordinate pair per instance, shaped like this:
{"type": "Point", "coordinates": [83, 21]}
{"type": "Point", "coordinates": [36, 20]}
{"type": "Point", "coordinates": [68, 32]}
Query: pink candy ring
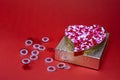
{"type": "Point", "coordinates": [23, 51]}
{"type": "Point", "coordinates": [33, 57]}
{"type": "Point", "coordinates": [36, 46]}
{"type": "Point", "coordinates": [25, 61]}
{"type": "Point", "coordinates": [51, 68]}
{"type": "Point", "coordinates": [67, 67]}
{"type": "Point", "coordinates": [35, 52]}
{"type": "Point", "coordinates": [45, 39]}
{"type": "Point", "coordinates": [28, 42]}
{"type": "Point", "coordinates": [41, 48]}
{"type": "Point", "coordinates": [85, 37]}
{"type": "Point", "coordinates": [61, 65]}
{"type": "Point", "coordinates": [48, 60]}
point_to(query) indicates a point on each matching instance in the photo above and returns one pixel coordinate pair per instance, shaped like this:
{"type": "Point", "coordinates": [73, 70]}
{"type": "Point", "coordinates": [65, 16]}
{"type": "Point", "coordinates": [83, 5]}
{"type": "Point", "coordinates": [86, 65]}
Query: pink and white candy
{"type": "Point", "coordinates": [85, 37]}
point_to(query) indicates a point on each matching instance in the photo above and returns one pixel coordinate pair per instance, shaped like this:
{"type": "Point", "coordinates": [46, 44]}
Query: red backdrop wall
{"type": "Point", "coordinates": [20, 19]}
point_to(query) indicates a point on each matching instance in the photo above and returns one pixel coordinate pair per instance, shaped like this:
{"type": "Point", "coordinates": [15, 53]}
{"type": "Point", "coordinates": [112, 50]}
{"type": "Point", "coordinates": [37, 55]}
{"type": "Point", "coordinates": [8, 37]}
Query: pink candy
{"type": "Point", "coordinates": [85, 37]}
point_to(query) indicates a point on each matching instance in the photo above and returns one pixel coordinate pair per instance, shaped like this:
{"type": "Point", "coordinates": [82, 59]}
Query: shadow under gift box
{"type": "Point", "coordinates": [90, 58]}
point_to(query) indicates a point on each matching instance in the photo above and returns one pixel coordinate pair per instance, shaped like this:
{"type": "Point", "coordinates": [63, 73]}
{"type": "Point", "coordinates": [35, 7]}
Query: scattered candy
{"type": "Point", "coordinates": [26, 61]}
{"type": "Point", "coordinates": [51, 68]}
{"type": "Point", "coordinates": [41, 48]}
{"type": "Point", "coordinates": [36, 46]}
{"type": "Point", "coordinates": [61, 65]}
{"type": "Point", "coordinates": [48, 60]}
{"type": "Point", "coordinates": [28, 42]}
{"type": "Point", "coordinates": [67, 67]}
{"type": "Point", "coordinates": [23, 51]}
{"type": "Point", "coordinates": [35, 52]}
{"type": "Point", "coordinates": [33, 57]}
{"type": "Point", "coordinates": [45, 39]}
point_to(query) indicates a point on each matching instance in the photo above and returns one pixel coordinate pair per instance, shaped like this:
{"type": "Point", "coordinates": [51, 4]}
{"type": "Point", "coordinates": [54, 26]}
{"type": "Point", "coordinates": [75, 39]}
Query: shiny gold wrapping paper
{"type": "Point", "coordinates": [89, 58]}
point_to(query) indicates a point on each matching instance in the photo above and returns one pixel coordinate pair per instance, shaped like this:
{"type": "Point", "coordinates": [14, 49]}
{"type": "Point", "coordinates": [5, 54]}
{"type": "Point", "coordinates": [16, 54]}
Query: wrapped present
{"type": "Point", "coordinates": [82, 45]}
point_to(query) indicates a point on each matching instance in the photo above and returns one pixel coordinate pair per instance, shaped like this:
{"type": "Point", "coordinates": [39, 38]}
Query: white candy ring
{"type": "Point", "coordinates": [45, 39]}
{"type": "Point", "coordinates": [25, 61]}
{"type": "Point", "coordinates": [67, 67]}
{"type": "Point", "coordinates": [33, 57]}
{"type": "Point", "coordinates": [61, 65]}
{"type": "Point", "coordinates": [48, 60]}
{"type": "Point", "coordinates": [23, 51]}
{"type": "Point", "coordinates": [36, 46]}
{"type": "Point", "coordinates": [35, 52]}
{"type": "Point", "coordinates": [51, 68]}
{"type": "Point", "coordinates": [28, 42]}
{"type": "Point", "coordinates": [42, 48]}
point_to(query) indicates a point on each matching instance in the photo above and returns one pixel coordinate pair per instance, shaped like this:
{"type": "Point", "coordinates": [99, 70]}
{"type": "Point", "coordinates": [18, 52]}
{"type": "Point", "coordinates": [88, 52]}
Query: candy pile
{"type": "Point", "coordinates": [59, 65]}
{"type": "Point", "coordinates": [34, 54]}
{"type": "Point", "coordinates": [85, 37]}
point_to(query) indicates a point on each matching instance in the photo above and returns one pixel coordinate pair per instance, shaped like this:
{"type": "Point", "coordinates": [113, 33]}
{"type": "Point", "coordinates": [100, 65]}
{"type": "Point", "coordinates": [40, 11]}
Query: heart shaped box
{"type": "Point", "coordinates": [90, 58]}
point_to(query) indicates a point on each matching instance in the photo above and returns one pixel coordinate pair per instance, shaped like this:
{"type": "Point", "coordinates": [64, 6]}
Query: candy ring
{"type": "Point", "coordinates": [61, 65]}
{"type": "Point", "coordinates": [33, 57]}
{"type": "Point", "coordinates": [45, 39]}
{"type": "Point", "coordinates": [35, 52]}
{"type": "Point", "coordinates": [51, 68]}
{"type": "Point", "coordinates": [67, 67]}
{"type": "Point", "coordinates": [36, 46]}
{"type": "Point", "coordinates": [28, 42]}
{"type": "Point", "coordinates": [42, 48]}
{"type": "Point", "coordinates": [23, 51]}
{"type": "Point", "coordinates": [48, 60]}
{"type": "Point", "coordinates": [25, 61]}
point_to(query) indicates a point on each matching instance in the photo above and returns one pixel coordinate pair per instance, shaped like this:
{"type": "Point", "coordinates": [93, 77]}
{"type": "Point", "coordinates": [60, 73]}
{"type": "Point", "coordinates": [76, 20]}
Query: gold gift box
{"type": "Point", "coordinates": [90, 58]}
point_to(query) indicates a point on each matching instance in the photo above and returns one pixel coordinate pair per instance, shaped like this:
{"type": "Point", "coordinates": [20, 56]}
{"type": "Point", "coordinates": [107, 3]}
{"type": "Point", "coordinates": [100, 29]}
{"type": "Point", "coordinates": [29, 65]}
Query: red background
{"type": "Point", "coordinates": [21, 19]}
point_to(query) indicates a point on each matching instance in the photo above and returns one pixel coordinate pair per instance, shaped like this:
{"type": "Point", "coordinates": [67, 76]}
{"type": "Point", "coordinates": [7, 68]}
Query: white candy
{"type": "Point", "coordinates": [36, 46]}
{"type": "Point", "coordinates": [41, 48]}
{"type": "Point", "coordinates": [26, 61]}
{"type": "Point", "coordinates": [61, 65]}
{"type": "Point", "coordinates": [35, 52]}
{"type": "Point", "coordinates": [51, 68]}
{"type": "Point", "coordinates": [48, 60]}
{"type": "Point", "coordinates": [33, 57]}
{"type": "Point", "coordinates": [67, 67]}
{"type": "Point", "coordinates": [45, 39]}
{"type": "Point", "coordinates": [28, 42]}
{"type": "Point", "coordinates": [23, 51]}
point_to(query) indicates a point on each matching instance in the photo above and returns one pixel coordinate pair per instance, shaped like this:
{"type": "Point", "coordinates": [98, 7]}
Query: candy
{"type": "Point", "coordinates": [61, 65]}
{"type": "Point", "coordinates": [36, 46]}
{"type": "Point", "coordinates": [45, 39]}
{"type": "Point", "coordinates": [67, 67]}
{"type": "Point", "coordinates": [26, 61]}
{"type": "Point", "coordinates": [85, 37]}
{"type": "Point", "coordinates": [41, 47]}
{"type": "Point", "coordinates": [33, 57]}
{"type": "Point", "coordinates": [23, 51]}
{"type": "Point", "coordinates": [51, 68]}
{"type": "Point", "coordinates": [28, 42]}
{"type": "Point", "coordinates": [35, 52]}
{"type": "Point", "coordinates": [48, 60]}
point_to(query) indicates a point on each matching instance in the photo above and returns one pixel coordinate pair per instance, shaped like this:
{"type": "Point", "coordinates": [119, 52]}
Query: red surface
{"type": "Point", "coordinates": [20, 19]}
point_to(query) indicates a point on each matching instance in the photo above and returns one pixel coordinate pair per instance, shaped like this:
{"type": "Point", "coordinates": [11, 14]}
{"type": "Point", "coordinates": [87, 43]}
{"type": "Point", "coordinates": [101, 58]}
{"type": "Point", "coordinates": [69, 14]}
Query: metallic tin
{"type": "Point", "coordinates": [89, 58]}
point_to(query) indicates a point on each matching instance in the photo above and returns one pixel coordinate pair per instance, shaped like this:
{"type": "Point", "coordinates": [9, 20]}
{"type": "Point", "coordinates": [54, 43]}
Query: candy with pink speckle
{"type": "Point", "coordinates": [85, 37]}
